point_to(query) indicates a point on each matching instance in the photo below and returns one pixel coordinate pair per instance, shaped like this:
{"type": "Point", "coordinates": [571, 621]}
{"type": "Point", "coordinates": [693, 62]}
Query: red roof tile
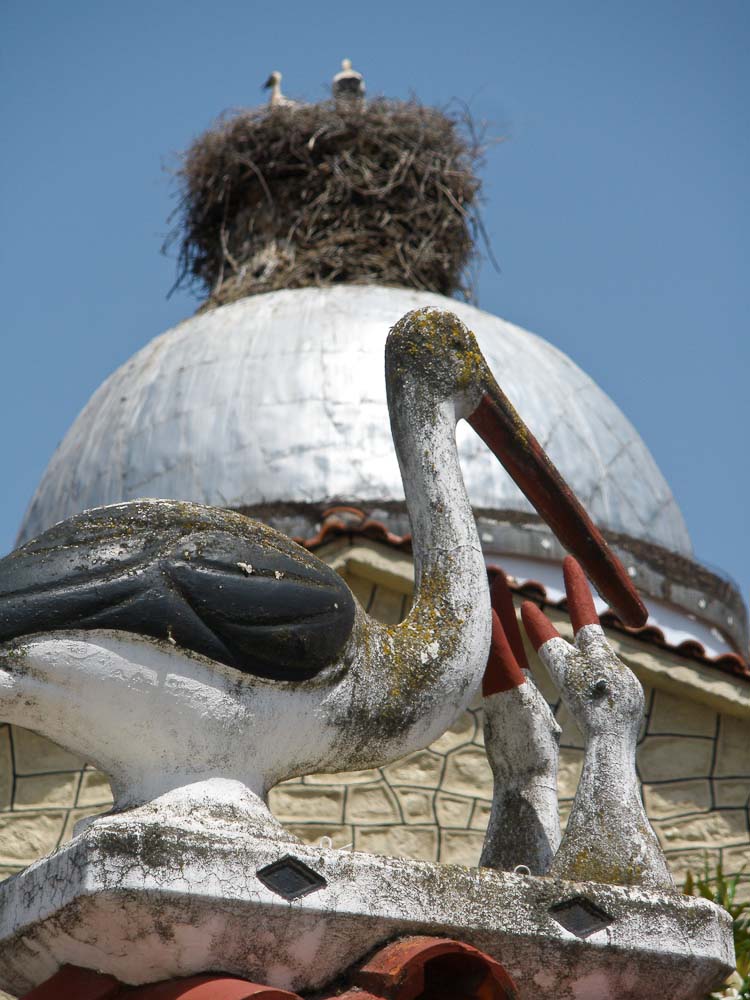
{"type": "Point", "coordinates": [411, 968]}
{"type": "Point", "coordinates": [74, 983]}
{"type": "Point", "coordinates": [431, 967]}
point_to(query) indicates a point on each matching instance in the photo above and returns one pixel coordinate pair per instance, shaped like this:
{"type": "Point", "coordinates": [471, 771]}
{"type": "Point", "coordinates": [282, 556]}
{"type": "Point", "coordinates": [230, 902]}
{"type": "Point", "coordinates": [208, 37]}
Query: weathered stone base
{"type": "Point", "coordinates": [145, 902]}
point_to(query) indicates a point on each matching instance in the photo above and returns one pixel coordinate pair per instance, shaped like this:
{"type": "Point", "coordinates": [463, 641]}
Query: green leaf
{"type": "Point", "coordinates": [722, 890]}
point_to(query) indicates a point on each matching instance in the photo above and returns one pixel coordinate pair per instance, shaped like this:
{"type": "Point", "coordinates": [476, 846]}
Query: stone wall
{"type": "Point", "coordinates": [44, 791]}
{"type": "Point", "coordinates": [693, 760]}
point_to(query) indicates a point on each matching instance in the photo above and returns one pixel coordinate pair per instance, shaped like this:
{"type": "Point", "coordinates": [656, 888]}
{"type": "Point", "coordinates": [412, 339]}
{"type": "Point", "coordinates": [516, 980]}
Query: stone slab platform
{"type": "Point", "coordinates": [155, 901]}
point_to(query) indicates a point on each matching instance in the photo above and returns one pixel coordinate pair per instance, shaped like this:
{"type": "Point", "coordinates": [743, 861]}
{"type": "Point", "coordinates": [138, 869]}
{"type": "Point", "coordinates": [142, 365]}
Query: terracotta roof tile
{"type": "Point", "coordinates": [430, 968]}
{"type": "Point", "coordinates": [407, 969]}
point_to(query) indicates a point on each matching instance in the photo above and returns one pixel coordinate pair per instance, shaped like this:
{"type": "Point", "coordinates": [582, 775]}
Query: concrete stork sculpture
{"type": "Point", "coordinates": [608, 837]}
{"type": "Point", "coordinates": [522, 740]}
{"type": "Point", "coordinates": [196, 656]}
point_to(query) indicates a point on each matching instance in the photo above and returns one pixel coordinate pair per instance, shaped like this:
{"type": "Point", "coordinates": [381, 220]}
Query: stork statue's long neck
{"type": "Point", "coordinates": [442, 520]}
{"type": "Point", "coordinates": [451, 597]}
{"type": "Point", "coordinates": [409, 682]}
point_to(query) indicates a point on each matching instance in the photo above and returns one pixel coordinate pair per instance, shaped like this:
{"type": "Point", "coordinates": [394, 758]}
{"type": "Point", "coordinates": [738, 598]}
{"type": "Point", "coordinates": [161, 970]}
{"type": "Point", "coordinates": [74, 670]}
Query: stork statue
{"type": "Point", "coordinates": [522, 740]}
{"type": "Point", "coordinates": [198, 657]}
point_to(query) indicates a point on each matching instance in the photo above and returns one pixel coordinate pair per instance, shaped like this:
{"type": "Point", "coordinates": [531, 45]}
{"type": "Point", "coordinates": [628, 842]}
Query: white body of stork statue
{"type": "Point", "coordinates": [198, 657]}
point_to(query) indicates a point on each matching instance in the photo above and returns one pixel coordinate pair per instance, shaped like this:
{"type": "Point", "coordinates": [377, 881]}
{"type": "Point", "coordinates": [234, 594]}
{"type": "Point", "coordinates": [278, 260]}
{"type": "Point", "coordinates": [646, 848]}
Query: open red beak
{"type": "Point", "coordinates": [502, 430]}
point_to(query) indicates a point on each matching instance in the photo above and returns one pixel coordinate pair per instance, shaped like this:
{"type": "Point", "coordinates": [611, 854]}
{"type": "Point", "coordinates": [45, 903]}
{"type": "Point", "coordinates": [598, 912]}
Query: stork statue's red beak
{"type": "Point", "coordinates": [504, 432]}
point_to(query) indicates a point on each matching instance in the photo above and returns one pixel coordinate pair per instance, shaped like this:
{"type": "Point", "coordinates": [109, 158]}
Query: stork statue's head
{"type": "Point", "coordinates": [431, 357]}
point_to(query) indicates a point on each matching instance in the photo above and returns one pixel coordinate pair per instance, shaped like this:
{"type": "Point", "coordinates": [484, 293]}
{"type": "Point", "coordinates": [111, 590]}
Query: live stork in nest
{"type": "Point", "coordinates": [276, 99]}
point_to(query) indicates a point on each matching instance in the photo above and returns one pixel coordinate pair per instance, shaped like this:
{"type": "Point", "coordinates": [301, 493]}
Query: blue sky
{"type": "Point", "coordinates": [617, 207]}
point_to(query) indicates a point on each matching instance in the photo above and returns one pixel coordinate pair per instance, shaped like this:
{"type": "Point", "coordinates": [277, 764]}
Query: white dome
{"type": "Point", "coordinates": [281, 397]}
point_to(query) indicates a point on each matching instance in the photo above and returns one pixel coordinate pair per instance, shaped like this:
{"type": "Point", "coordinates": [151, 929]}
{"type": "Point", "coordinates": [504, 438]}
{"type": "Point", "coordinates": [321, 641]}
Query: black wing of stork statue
{"type": "Point", "coordinates": [211, 580]}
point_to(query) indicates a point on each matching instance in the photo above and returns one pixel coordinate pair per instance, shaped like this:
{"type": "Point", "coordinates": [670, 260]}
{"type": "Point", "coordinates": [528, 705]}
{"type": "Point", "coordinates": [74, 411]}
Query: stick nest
{"type": "Point", "coordinates": [321, 193]}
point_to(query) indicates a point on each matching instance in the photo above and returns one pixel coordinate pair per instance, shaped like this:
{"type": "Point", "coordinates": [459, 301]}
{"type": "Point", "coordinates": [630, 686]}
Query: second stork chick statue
{"type": "Point", "coordinates": [608, 837]}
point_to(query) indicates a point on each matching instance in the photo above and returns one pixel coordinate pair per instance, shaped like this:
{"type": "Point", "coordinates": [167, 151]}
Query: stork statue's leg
{"type": "Point", "coordinates": [522, 742]}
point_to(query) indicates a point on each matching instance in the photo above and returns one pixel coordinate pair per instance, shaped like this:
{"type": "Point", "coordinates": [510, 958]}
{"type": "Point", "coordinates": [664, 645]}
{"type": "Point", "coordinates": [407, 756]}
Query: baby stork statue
{"type": "Point", "coordinates": [608, 837]}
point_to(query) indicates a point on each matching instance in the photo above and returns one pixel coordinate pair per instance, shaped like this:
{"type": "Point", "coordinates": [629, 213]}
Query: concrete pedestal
{"type": "Point", "coordinates": [151, 901]}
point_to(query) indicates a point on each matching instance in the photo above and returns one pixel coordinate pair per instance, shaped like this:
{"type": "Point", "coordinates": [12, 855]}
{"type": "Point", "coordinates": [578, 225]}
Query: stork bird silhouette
{"type": "Point", "coordinates": [193, 654]}
{"type": "Point", "coordinates": [276, 99]}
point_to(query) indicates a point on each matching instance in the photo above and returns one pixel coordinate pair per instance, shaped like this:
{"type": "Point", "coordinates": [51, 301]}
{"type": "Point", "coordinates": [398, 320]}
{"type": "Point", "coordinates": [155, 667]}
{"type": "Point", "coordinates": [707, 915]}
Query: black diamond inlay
{"type": "Point", "coordinates": [580, 916]}
{"type": "Point", "coordinates": [291, 878]}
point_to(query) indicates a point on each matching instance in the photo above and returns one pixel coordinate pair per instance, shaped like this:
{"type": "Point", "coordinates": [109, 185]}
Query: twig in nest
{"type": "Point", "coordinates": [385, 192]}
